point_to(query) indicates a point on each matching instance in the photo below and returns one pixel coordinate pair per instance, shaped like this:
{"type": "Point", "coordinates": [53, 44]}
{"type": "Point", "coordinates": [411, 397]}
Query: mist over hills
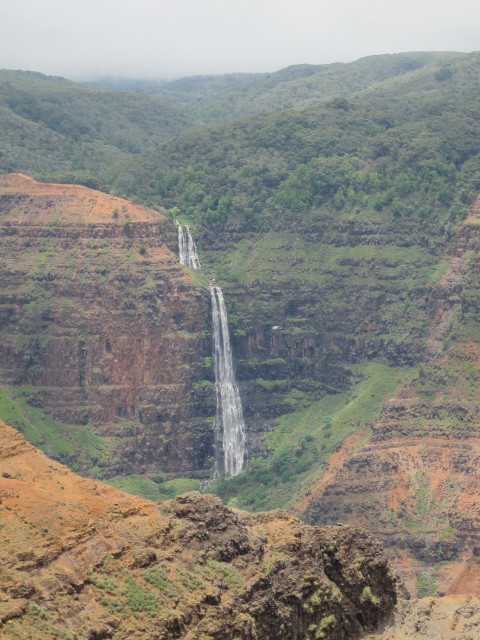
{"type": "Point", "coordinates": [224, 97]}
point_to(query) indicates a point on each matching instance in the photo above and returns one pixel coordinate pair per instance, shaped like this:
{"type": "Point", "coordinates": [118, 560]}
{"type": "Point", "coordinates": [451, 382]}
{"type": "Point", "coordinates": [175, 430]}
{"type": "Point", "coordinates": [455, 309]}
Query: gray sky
{"type": "Point", "coordinates": [173, 38]}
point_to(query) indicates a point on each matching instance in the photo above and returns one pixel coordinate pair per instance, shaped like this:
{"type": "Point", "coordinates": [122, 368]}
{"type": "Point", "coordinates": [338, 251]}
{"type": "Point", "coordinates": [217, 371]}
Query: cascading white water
{"type": "Point", "coordinates": [229, 424]}
{"type": "Point", "coordinates": [187, 249]}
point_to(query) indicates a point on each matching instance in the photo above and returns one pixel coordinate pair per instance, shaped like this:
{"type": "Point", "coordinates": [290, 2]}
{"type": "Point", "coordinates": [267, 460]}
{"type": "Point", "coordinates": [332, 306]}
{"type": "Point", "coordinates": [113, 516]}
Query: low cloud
{"type": "Point", "coordinates": [166, 39]}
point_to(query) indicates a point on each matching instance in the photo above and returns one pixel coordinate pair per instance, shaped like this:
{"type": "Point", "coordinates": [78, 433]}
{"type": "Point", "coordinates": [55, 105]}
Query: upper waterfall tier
{"type": "Point", "coordinates": [187, 249]}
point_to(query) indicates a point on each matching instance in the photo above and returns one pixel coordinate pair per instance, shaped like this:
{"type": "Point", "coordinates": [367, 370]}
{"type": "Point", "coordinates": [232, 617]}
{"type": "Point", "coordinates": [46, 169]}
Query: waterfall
{"type": "Point", "coordinates": [229, 425]}
{"type": "Point", "coordinates": [187, 249]}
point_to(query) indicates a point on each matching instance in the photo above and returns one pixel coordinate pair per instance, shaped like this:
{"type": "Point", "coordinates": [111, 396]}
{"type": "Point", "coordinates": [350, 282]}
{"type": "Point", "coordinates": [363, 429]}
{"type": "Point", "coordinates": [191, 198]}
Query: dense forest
{"type": "Point", "coordinates": [387, 132]}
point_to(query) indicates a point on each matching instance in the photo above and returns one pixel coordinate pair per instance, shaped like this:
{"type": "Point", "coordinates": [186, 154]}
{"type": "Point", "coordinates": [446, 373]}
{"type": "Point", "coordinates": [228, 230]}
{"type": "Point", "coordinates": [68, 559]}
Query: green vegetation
{"type": "Point", "coordinates": [222, 98]}
{"type": "Point", "coordinates": [37, 622]}
{"type": "Point", "coordinates": [424, 501]}
{"type": "Point", "coordinates": [426, 585]}
{"type": "Point", "coordinates": [150, 489]}
{"type": "Point", "coordinates": [57, 128]}
{"type": "Point", "coordinates": [204, 384]}
{"type": "Point", "coordinates": [368, 597]}
{"type": "Point", "coordinates": [391, 154]}
{"type": "Point", "coordinates": [158, 589]}
{"type": "Point", "coordinates": [200, 575]}
{"type": "Point", "coordinates": [140, 599]}
{"type": "Point", "coordinates": [77, 446]}
{"type": "Point", "coordinates": [303, 441]}
{"type": "Point", "coordinates": [157, 577]}
{"type": "Point", "coordinates": [391, 135]}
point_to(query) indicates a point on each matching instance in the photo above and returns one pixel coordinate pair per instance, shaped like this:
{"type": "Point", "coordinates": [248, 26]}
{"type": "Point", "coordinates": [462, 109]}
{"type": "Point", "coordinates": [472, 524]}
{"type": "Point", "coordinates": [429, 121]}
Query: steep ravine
{"type": "Point", "coordinates": [102, 331]}
{"type": "Point", "coordinates": [106, 362]}
{"type": "Point", "coordinates": [81, 560]}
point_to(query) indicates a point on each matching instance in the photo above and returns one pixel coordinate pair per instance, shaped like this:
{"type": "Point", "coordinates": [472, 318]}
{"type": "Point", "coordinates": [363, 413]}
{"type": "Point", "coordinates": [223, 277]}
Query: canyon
{"type": "Point", "coordinates": [292, 298]}
{"type": "Point", "coordinates": [106, 364]}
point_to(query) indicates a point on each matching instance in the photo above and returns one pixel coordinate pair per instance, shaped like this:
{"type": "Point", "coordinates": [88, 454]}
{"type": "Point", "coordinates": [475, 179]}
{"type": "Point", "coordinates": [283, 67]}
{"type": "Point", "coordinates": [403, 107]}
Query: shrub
{"type": "Point", "coordinates": [139, 598]}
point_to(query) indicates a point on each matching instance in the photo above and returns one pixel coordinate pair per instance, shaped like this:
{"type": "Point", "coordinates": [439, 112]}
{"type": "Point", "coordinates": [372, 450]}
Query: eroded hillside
{"type": "Point", "coordinates": [82, 560]}
{"type": "Point", "coordinates": [415, 482]}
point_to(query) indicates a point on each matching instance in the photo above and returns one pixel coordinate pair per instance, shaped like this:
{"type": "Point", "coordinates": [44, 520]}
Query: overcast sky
{"type": "Point", "coordinates": [173, 38]}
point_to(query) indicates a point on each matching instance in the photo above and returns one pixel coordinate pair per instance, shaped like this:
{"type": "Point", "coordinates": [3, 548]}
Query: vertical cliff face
{"type": "Point", "coordinates": [102, 329]}
{"type": "Point", "coordinates": [320, 295]}
{"type": "Point", "coordinates": [416, 481]}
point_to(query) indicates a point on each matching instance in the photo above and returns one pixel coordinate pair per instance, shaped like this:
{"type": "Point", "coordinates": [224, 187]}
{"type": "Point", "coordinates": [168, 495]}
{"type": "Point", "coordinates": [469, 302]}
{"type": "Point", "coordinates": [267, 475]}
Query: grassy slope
{"type": "Point", "coordinates": [154, 489]}
{"type": "Point", "coordinates": [305, 439]}
{"type": "Point", "coordinates": [76, 446]}
{"type": "Point", "coordinates": [79, 446]}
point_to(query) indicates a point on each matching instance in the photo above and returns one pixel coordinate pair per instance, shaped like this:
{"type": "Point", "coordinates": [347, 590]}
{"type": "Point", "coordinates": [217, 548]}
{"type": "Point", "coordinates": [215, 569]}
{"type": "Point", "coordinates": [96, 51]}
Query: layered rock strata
{"type": "Point", "coordinates": [416, 482]}
{"type": "Point", "coordinates": [101, 326]}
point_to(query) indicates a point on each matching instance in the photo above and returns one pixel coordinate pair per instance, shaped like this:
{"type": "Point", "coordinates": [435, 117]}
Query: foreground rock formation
{"type": "Point", "coordinates": [103, 330]}
{"type": "Point", "coordinates": [81, 560]}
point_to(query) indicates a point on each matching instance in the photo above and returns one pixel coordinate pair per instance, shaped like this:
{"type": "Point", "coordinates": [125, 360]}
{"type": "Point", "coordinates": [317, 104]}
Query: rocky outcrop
{"type": "Point", "coordinates": [82, 560]}
{"type": "Point", "coordinates": [102, 327]}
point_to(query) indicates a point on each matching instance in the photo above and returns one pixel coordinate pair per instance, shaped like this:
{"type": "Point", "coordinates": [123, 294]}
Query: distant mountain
{"type": "Point", "coordinates": [49, 124]}
{"type": "Point", "coordinates": [226, 97]}
{"type": "Point", "coordinates": [210, 98]}
{"type": "Point", "coordinates": [405, 128]}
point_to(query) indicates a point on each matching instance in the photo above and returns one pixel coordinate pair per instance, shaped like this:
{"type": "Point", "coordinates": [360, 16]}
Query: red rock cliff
{"type": "Point", "coordinates": [416, 482]}
{"type": "Point", "coordinates": [101, 326]}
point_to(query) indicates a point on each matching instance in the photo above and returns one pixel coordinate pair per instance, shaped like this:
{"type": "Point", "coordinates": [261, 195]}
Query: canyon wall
{"type": "Point", "coordinates": [415, 480]}
{"type": "Point", "coordinates": [102, 329]}
{"type": "Point", "coordinates": [309, 301]}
